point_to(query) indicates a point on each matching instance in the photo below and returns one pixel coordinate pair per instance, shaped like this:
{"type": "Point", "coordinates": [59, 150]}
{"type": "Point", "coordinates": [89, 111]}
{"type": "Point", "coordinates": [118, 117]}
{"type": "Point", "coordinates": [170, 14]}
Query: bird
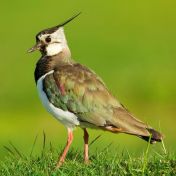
{"type": "Point", "coordinates": [77, 97]}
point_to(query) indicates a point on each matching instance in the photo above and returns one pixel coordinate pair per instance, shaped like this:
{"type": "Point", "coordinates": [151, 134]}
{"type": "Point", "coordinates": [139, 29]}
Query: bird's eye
{"type": "Point", "coordinates": [48, 39]}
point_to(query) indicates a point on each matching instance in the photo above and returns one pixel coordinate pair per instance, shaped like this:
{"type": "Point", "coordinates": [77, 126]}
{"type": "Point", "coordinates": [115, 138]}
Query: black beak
{"type": "Point", "coordinates": [37, 46]}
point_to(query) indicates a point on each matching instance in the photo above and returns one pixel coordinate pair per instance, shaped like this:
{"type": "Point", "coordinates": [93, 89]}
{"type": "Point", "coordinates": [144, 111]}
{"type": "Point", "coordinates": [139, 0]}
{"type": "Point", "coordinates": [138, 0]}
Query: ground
{"type": "Point", "coordinates": [102, 163]}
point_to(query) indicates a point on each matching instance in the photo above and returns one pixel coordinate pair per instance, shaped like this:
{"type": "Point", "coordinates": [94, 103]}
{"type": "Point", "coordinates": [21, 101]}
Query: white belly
{"type": "Point", "coordinates": [69, 119]}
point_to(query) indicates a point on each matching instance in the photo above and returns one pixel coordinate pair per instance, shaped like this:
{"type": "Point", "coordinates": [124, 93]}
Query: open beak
{"type": "Point", "coordinates": [37, 46]}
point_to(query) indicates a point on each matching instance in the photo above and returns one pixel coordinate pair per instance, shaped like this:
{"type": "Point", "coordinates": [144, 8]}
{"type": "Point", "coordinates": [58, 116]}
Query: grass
{"type": "Point", "coordinates": [129, 44]}
{"type": "Point", "coordinates": [103, 162]}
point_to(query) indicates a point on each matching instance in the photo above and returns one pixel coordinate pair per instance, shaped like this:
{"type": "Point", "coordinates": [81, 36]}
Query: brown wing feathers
{"type": "Point", "coordinates": [84, 94]}
{"type": "Point", "coordinates": [124, 122]}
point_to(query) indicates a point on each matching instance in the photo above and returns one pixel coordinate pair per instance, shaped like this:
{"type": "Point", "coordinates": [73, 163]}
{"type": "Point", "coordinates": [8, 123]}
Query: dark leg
{"type": "Point", "coordinates": [69, 141]}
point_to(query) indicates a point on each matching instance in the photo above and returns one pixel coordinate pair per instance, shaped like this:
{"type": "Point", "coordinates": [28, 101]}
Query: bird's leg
{"type": "Point", "coordinates": [86, 147]}
{"type": "Point", "coordinates": [69, 141]}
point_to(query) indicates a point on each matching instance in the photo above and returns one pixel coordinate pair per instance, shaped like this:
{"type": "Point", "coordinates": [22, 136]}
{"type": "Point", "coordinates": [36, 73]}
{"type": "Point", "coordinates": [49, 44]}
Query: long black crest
{"type": "Point", "coordinates": [55, 28]}
{"type": "Point", "coordinates": [67, 21]}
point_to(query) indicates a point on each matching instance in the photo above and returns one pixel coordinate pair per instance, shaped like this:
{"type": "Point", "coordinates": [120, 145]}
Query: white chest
{"type": "Point", "coordinates": [69, 119]}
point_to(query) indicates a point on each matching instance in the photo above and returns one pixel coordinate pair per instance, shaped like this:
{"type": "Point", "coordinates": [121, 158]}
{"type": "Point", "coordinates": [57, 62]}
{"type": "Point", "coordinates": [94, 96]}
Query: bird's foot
{"type": "Point", "coordinates": [87, 161]}
{"type": "Point", "coordinates": [59, 164]}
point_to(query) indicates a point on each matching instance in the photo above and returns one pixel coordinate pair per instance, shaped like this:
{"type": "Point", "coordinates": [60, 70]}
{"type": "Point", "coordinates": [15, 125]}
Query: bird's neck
{"type": "Point", "coordinates": [47, 63]}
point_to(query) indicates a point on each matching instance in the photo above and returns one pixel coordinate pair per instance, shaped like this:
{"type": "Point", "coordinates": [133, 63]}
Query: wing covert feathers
{"type": "Point", "coordinates": [77, 89]}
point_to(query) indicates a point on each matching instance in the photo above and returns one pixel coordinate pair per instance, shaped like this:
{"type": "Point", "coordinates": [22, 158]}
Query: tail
{"type": "Point", "coordinates": [124, 122]}
{"type": "Point", "coordinates": [154, 137]}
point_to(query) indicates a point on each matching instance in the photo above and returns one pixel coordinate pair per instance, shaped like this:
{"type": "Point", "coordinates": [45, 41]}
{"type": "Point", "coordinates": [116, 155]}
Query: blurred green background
{"type": "Point", "coordinates": [130, 44]}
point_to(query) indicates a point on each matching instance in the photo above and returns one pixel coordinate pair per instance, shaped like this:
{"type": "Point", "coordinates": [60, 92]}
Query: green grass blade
{"type": "Point", "coordinates": [94, 140]}
{"type": "Point", "coordinates": [9, 150]}
{"type": "Point", "coordinates": [34, 143]}
{"type": "Point", "coordinates": [16, 150]}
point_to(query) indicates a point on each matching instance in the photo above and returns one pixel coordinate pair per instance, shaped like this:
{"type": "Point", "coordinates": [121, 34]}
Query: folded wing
{"type": "Point", "coordinates": [75, 88]}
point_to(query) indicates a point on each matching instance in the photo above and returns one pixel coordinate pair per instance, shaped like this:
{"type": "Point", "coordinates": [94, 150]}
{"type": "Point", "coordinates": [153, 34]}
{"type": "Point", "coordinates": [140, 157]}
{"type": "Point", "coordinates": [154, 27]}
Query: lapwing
{"type": "Point", "coordinates": [76, 96]}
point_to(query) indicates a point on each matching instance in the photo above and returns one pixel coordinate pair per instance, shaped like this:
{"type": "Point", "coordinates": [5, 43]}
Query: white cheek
{"type": "Point", "coordinates": [54, 48]}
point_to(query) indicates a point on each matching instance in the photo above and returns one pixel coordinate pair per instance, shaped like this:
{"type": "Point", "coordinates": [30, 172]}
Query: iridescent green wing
{"type": "Point", "coordinates": [79, 90]}
{"type": "Point", "coordinates": [76, 89]}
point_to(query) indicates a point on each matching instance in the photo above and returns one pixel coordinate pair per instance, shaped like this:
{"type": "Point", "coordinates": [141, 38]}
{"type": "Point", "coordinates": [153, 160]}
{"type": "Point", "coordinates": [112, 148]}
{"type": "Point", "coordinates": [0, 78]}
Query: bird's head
{"type": "Point", "coordinates": [52, 41]}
